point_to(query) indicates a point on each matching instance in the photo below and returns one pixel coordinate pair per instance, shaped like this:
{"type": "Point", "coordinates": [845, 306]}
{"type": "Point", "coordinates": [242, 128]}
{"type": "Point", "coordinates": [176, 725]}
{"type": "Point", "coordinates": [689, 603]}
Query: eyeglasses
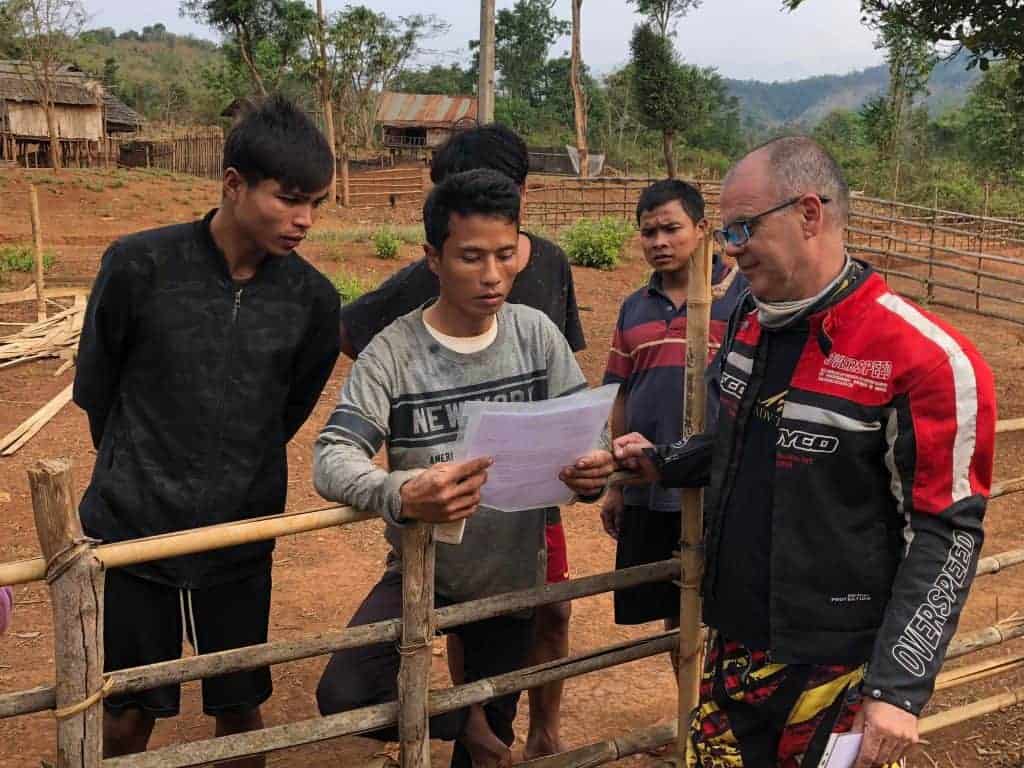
{"type": "Point", "coordinates": [740, 231]}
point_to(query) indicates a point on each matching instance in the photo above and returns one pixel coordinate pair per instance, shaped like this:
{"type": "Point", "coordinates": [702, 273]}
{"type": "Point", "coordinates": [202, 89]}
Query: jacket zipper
{"type": "Point", "coordinates": [218, 419]}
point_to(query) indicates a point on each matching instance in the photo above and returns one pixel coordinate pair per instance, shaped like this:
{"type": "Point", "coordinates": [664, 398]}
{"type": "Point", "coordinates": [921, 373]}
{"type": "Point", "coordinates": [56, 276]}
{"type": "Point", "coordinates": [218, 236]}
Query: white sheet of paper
{"type": "Point", "coordinates": [531, 443]}
{"type": "Point", "coordinates": [842, 750]}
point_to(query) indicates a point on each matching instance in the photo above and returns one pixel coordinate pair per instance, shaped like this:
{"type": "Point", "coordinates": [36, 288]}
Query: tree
{"type": "Point", "coordinates": [664, 14]}
{"type": "Point", "coordinates": [325, 86]}
{"type": "Point", "coordinates": [523, 37]}
{"type": "Point", "coordinates": [911, 60]}
{"type": "Point", "coordinates": [659, 92]}
{"type": "Point", "coordinates": [47, 32]}
{"type": "Point", "coordinates": [989, 29]}
{"type": "Point", "coordinates": [9, 45]}
{"type": "Point", "coordinates": [578, 97]}
{"type": "Point", "coordinates": [268, 37]}
{"type": "Point", "coordinates": [994, 122]}
{"type": "Point", "coordinates": [452, 80]}
{"type": "Point", "coordinates": [366, 52]}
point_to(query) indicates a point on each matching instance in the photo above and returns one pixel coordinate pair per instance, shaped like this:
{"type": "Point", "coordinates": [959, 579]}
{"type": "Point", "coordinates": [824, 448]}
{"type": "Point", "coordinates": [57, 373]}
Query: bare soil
{"type": "Point", "coordinates": [321, 577]}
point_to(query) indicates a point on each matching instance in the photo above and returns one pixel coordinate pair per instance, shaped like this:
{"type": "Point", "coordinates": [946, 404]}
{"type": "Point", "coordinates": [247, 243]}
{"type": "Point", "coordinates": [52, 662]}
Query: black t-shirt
{"type": "Point", "coordinates": [545, 284]}
{"type": "Point", "coordinates": [742, 587]}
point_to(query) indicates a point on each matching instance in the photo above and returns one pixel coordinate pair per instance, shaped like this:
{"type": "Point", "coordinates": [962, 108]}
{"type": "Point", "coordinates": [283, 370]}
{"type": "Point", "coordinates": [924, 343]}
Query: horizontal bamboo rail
{"type": "Point", "coordinates": [1005, 487]}
{"type": "Point", "coordinates": [913, 206]}
{"type": "Point", "coordinates": [1009, 425]}
{"type": "Point", "coordinates": [378, 716]}
{"type": "Point", "coordinates": [983, 670]}
{"type": "Point", "coordinates": [997, 634]}
{"type": "Point", "coordinates": [970, 711]}
{"type": "Point", "coordinates": [927, 225]}
{"type": "Point", "coordinates": [1000, 562]}
{"type": "Point", "coordinates": [923, 245]}
{"type": "Point", "coordinates": [250, 657]}
{"type": "Point", "coordinates": [601, 752]}
{"type": "Point", "coordinates": [196, 540]}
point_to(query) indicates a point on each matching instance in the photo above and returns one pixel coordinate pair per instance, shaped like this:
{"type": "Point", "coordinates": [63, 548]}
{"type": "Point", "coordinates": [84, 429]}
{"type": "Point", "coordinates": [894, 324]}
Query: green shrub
{"type": "Point", "coordinates": [598, 244]}
{"type": "Point", "coordinates": [349, 287]}
{"type": "Point", "coordinates": [386, 244]}
{"type": "Point", "coordinates": [21, 258]}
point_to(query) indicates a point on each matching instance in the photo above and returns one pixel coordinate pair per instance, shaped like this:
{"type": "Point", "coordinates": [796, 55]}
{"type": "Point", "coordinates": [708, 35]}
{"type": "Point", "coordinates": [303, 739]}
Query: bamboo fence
{"type": "Point", "coordinates": [935, 256]}
{"type": "Point", "coordinates": [75, 566]}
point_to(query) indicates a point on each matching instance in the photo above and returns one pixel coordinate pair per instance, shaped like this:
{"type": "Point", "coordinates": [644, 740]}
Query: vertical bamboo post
{"type": "Point", "coordinates": [75, 576]}
{"type": "Point", "coordinates": [698, 320]}
{"type": "Point", "coordinates": [931, 247]}
{"type": "Point", "coordinates": [981, 247]}
{"type": "Point", "coordinates": [346, 192]}
{"type": "Point", "coordinates": [417, 633]}
{"type": "Point", "coordinates": [37, 241]}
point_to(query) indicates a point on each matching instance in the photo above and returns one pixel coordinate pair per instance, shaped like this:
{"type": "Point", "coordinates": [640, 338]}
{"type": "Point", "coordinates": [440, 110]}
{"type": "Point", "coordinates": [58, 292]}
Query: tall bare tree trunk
{"type": "Point", "coordinates": [326, 102]}
{"type": "Point", "coordinates": [668, 138]}
{"type": "Point", "coordinates": [576, 77]}
{"type": "Point", "coordinates": [485, 84]}
{"type": "Point", "coordinates": [51, 119]}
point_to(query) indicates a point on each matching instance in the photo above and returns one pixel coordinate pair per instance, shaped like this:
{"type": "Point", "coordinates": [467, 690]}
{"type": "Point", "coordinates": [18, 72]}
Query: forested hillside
{"type": "Point", "coordinates": [766, 106]}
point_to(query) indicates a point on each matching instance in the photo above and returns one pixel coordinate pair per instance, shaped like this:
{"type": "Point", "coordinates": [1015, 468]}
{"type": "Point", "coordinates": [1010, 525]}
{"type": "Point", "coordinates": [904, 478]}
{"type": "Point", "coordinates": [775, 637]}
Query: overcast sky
{"type": "Point", "coordinates": [743, 38]}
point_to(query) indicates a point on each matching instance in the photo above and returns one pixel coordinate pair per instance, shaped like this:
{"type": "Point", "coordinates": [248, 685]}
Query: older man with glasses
{"type": "Point", "coordinates": [848, 478]}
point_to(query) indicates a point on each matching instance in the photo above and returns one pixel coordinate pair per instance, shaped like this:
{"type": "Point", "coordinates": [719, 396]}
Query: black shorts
{"type": "Point", "coordinates": [146, 622]}
{"type": "Point", "coordinates": [647, 536]}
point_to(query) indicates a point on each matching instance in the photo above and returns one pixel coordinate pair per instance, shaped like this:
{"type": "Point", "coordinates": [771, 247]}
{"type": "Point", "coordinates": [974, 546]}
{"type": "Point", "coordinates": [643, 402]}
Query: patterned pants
{"type": "Point", "coordinates": [757, 714]}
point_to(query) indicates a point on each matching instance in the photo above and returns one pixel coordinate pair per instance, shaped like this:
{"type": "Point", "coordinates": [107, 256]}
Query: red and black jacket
{"type": "Point", "coordinates": [883, 467]}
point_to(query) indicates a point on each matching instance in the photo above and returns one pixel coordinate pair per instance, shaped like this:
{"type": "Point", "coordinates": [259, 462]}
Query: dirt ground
{"type": "Point", "coordinates": [321, 577]}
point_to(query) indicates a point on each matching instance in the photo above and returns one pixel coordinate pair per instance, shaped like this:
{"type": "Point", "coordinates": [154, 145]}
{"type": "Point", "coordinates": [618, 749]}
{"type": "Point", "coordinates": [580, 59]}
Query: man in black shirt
{"type": "Point", "coordinates": [544, 282]}
{"type": "Point", "coordinates": [204, 349]}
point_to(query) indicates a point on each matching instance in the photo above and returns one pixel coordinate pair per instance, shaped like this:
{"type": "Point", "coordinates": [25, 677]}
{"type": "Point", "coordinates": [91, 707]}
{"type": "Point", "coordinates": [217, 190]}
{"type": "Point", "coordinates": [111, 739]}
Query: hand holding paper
{"type": "Point", "coordinates": [534, 444]}
{"type": "Point", "coordinates": [445, 492]}
{"type": "Point", "coordinates": [587, 477]}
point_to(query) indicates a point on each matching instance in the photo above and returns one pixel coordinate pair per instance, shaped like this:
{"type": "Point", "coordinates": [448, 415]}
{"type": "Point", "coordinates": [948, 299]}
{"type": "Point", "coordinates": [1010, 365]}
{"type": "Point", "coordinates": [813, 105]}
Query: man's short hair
{"type": "Point", "coordinates": [667, 190]}
{"type": "Point", "coordinates": [493, 146]}
{"type": "Point", "coordinates": [800, 165]}
{"type": "Point", "coordinates": [483, 192]}
{"type": "Point", "coordinates": [276, 140]}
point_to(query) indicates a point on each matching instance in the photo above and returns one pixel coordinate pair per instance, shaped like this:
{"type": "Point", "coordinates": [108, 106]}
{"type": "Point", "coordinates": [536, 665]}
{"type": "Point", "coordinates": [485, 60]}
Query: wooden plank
{"type": "Point", "coordinates": [21, 434]}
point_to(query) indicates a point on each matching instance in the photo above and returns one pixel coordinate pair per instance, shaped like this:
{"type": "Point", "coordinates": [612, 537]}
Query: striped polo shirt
{"type": "Point", "coordinates": [648, 357]}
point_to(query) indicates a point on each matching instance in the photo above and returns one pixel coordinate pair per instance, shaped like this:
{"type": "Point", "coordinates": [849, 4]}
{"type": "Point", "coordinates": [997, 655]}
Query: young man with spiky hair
{"type": "Point", "coordinates": [543, 281]}
{"type": "Point", "coordinates": [205, 347]}
{"type": "Point", "coordinates": [405, 392]}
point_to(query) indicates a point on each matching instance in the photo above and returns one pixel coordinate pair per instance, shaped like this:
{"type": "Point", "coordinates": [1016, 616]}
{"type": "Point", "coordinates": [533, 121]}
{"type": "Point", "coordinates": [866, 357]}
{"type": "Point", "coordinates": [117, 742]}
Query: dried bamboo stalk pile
{"type": "Point", "coordinates": [57, 336]}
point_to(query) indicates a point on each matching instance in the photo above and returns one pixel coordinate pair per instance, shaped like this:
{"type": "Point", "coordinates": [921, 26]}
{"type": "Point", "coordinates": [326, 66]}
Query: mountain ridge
{"type": "Point", "coordinates": [805, 102]}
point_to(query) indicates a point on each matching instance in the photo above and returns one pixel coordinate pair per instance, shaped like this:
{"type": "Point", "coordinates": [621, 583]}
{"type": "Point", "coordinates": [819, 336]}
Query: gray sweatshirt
{"type": "Point", "coordinates": [406, 391]}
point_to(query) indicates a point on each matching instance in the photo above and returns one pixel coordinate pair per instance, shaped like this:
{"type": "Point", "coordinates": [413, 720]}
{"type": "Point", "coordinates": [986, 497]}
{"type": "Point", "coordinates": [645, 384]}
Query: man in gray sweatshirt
{"type": "Point", "coordinates": [406, 391]}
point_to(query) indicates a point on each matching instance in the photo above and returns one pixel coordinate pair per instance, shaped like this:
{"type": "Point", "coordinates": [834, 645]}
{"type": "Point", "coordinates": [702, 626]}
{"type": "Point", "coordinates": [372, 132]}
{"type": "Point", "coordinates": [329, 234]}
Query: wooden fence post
{"type": "Point", "coordinates": [415, 648]}
{"type": "Point", "coordinates": [346, 190]}
{"type": "Point", "coordinates": [75, 576]}
{"type": "Point", "coordinates": [930, 290]}
{"type": "Point", "coordinates": [37, 240]}
{"type": "Point", "coordinates": [698, 313]}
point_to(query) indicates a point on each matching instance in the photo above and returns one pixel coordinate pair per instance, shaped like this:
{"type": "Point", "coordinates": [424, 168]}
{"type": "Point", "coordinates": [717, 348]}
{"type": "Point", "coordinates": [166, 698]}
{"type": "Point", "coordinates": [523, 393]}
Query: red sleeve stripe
{"type": "Point", "coordinates": [965, 390]}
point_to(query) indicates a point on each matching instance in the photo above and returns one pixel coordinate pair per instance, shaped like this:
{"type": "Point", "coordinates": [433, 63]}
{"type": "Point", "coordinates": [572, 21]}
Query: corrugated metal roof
{"type": "Point", "coordinates": [17, 84]}
{"type": "Point", "coordinates": [423, 110]}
